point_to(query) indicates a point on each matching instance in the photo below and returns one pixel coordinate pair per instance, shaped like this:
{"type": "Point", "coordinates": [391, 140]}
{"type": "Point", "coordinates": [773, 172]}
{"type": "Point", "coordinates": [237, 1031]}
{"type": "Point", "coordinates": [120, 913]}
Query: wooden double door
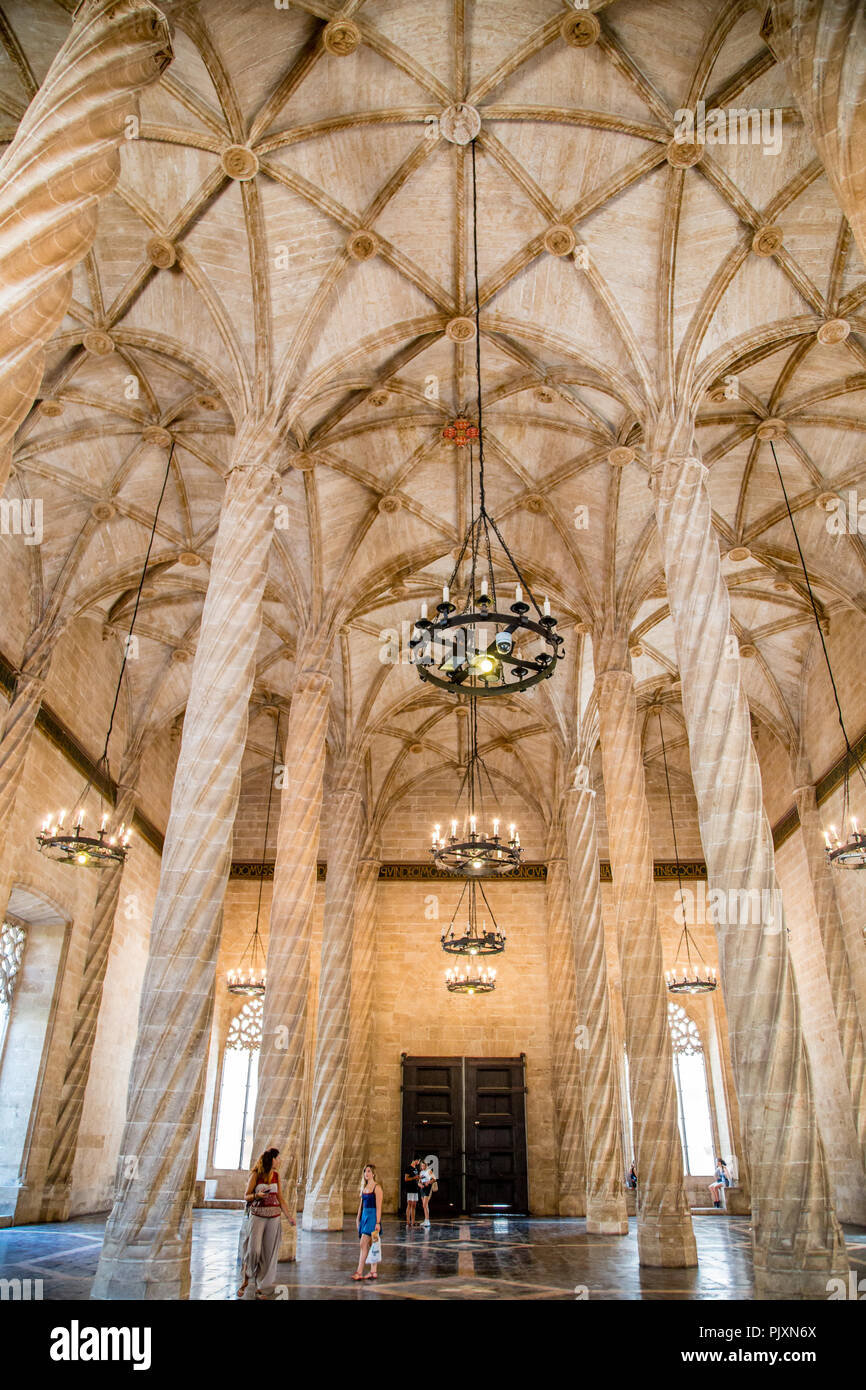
{"type": "Point", "coordinates": [470, 1113]}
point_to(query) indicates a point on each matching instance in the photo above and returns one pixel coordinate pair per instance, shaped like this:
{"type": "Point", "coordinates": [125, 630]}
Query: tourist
{"type": "Point", "coordinates": [412, 1195]}
{"type": "Point", "coordinates": [631, 1180]}
{"type": "Point", "coordinates": [369, 1220]}
{"type": "Point", "coordinates": [265, 1197]}
{"type": "Point", "coordinates": [426, 1187]}
{"type": "Point", "coordinates": [723, 1180]}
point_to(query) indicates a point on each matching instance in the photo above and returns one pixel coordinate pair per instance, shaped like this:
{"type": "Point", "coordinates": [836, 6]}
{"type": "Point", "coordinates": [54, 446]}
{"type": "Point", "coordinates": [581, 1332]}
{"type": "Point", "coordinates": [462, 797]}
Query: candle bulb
{"type": "Point", "coordinates": [446, 594]}
{"type": "Point", "coordinates": [454, 830]}
{"type": "Point", "coordinates": [826, 839]}
{"type": "Point", "coordinates": [484, 587]}
{"type": "Point", "coordinates": [518, 594]}
{"type": "Point", "coordinates": [547, 608]}
{"type": "Point", "coordinates": [424, 609]}
{"type": "Point", "coordinates": [472, 824]}
{"type": "Point", "coordinates": [511, 831]}
{"type": "Point", "coordinates": [495, 829]}
{"type": "Point", "coordinates": [104, 821]}
{"type": "Point", "coordinates": [854, 825]}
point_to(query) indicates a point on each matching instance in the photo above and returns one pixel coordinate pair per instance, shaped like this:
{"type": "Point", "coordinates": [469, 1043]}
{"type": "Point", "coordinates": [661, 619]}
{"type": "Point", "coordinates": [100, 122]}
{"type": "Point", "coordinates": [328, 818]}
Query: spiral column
{"type": "Point", "coordinates": [19, 723]}
{"type": "Point", "coordinates": [361, 1035]}
{"type": "Point", "coordinates": [58, 1178]}
{"type": "Point", "coordinates": [323, 1203]}
{"type": "Point", "coordinates": [796, 1237]}
{"type": "Point", "coordinates": [605, 1199]}
{"type": "Point", "coordinates": [64, 159]}
{"type": "Point", "coordinates": [835, 955]}
{"type": "Point", "coordinates": [280, 1119]}
{"type": "Point", "coordinates": [571, 1171]}
{"type": "Point", "coordinates": [147, 1238]}
{"type": "Point", "coordinates": [822, 44]}
{"type": "Point", "coordinates": [664, 1225]}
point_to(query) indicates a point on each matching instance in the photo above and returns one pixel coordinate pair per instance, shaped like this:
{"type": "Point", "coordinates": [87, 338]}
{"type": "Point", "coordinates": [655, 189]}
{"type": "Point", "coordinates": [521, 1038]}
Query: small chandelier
{"type": "Point", "coordinates": [469, 851]}
{"type": "Point", "coordinates": [846, 849]}
{"type": "Point", "coordinates": [251, 976]}
{"type": "Point", "coordinates": [473, 941]}
{"type": "Point", "coordinates": [482, 646]}
{"type": "Point", "coordinates": [74, 846]}
{"type": "Point", "coordinates": [470, 979]}
{"type": "Point", "coordinates": [687, 977]}
{"type": "Point", "coordinates": [108, 846]}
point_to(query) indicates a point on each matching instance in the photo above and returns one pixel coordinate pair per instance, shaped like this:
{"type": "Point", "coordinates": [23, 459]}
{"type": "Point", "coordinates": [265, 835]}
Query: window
{"type": "Point", "coordinates": [12, 939]}
{"type": "Point", "coordinates": [234, 1136]}
{"type": "Point", "coordinates": [693, 1103]}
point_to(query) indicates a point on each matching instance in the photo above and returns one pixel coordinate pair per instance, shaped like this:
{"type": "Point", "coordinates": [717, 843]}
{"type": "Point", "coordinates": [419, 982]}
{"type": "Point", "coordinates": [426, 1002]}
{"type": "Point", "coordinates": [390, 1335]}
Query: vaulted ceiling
{"type": "Point", "coordinates": [225, 274]}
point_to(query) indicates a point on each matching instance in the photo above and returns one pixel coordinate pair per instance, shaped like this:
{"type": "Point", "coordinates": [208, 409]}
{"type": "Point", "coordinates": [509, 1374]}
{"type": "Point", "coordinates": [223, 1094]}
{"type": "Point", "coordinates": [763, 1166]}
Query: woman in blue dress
{"type": "Point", "coordinates": [369, 1220]}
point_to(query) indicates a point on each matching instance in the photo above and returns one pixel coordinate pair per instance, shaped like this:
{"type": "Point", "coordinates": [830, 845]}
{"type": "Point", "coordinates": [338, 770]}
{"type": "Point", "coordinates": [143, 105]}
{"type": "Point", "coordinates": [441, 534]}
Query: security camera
{"type": "Point", "coordinates": [504, 642]}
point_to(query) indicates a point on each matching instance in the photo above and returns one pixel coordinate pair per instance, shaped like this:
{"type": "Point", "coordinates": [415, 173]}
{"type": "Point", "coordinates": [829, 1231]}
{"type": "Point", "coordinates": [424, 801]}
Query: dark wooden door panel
{"type": "Point", "coordinates": [471, 1113]}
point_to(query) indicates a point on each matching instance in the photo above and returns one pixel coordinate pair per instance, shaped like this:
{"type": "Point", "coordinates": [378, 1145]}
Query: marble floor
{"type": "Point", "coordinates": [497, 1258]}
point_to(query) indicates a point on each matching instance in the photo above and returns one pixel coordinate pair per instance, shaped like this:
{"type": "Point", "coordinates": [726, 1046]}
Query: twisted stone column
{"type": "Point", "coordinates": [797, 1240]}
{"type": "Point", "coordinates": [19, 723]}
{"type": "Point", "coordinates": [147, 1238]}
{"type": "Point", "coordinates": [823, 46]}
{"type": "Point", "coordinates": [664, 1226]}
{"type": "Point", "coordinates": [323, 1204]}
{"type": "Point", "coordinates": [280, 1119]}
{"type": "Point", "coordinates": [58, 1179]}
{"type": "Point", "coordinates": [562, 1005]}
{"type": "Point", "coordinates": [605, 1198]}
{"type": "Point", "coordinates": [358, 1136]}
{"type": "Point", "coordinates": [65, 157]}
{"type": "Point", "coordinates": [835, 955]}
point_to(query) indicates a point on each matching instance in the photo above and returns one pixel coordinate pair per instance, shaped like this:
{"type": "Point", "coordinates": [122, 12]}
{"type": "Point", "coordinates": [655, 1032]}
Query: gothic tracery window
{"type": "Point", "coordinates": [693, 1103]}
{"type": "Point", "coordinates": [234, 1135]}
{"type": "Point", "coordinates": [12, 940]}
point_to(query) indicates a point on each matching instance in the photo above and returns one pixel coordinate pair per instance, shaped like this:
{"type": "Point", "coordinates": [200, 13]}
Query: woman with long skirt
{"type": "Point", "coordinates": [265, 1196]}
{"type": "Point", "coordinates": [369, 1220]}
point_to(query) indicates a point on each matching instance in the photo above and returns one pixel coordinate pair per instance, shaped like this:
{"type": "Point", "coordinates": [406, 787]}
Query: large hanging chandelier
{"type": "Point", "coordinates": [251, 976]}
{"type": "Point", "coordinates": [848, 848]}
{"type": "Point", "coordinates": [474, 940]}
{"type": "Point", "coordinates": [70, 842]}
{"type": "Point", "coordinates": [472, 850]}
{"type": "Point", "coordinates": [480, 645]}
{"type": "Point", "coordinates": [687, 976]}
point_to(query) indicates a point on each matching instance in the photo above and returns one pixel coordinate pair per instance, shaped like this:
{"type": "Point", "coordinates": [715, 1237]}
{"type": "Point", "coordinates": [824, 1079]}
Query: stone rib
{"type": "Point", "coordinates": [665, 1234]}
{"type": "Point", "coordinates": [571, 1172]}
{"type": "Point", "coordinates": [323, 1204]}
{"type": "Point", "coordinates": [605, 1199]}
{"type": "Point", "coordinates": [147, 1241]}
{"type": "Point", "coordinates": [64, 158]}
{"type": "Point", "coordinates": [280, 1117]}
{"type": "Point", "coordinates": [797, 1240]}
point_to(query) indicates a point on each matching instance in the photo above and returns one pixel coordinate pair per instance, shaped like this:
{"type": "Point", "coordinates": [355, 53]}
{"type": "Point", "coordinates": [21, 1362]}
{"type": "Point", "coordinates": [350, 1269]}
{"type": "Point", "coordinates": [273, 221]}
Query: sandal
{"type": "Point", "coordinates": [359, 1276]}
{"type": "Point", "coordinates": [242, 1288]}
{"type": "Point", "coordinates": [369, 1276]}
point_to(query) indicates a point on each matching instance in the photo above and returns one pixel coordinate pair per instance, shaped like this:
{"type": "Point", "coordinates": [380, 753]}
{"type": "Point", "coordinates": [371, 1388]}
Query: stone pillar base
{"type": "Point", "coordinates": [148, 1280]}
{"type": "Point", "coordinates": [323, 1213]}
{"type": "Point", "coordinates": [737, 1202]}
{"type": "Point", "coordinates": [666, 1242]}
{"type": "Point", "coordinates": [572, 1205]}
{"type": "Point", "coordinates": [288, 1242]}
{"type": "Point", "coordinates": [607, 1218]}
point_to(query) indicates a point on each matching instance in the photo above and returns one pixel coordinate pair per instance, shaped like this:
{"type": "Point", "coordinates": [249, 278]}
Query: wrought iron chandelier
{"type": "Point", "coordinates": [847, 850]}
{"type": "Point", "coordinates": [108, 845]}
{"type": "Point", "coordinates": [481, 645]}
{"type": "Point", "coordinates": [251, 976]}
{"type": "Point", "coordinates": [468, 850]}
{"type": "Point", "coordinates": [470, 979]}
{"type": "Point", "coordinates": [473, 940]}
{"type": "Point", "coordinates": [687, 977]}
